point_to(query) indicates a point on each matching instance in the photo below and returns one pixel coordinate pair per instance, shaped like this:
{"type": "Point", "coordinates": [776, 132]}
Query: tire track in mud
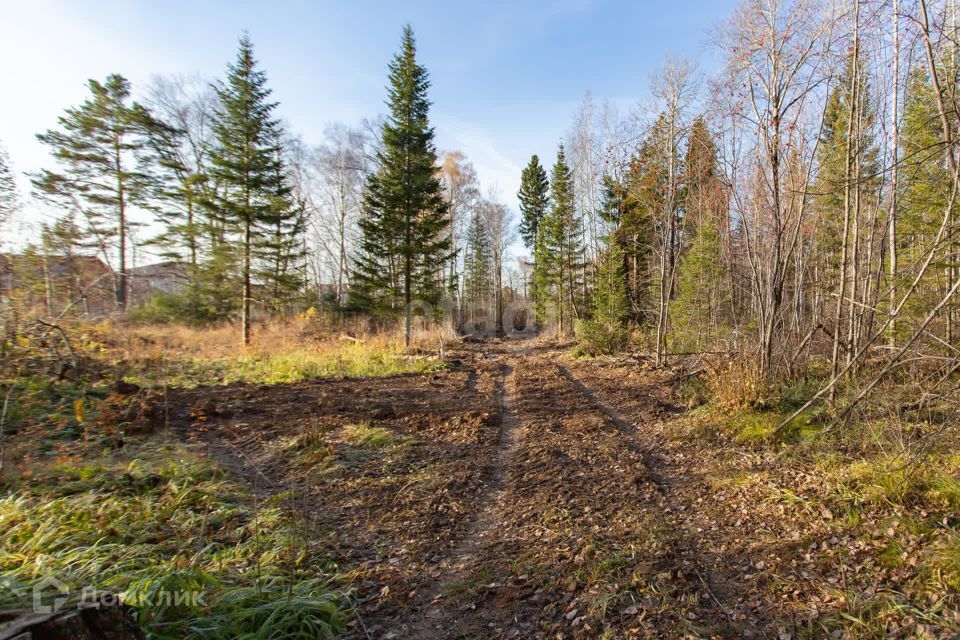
{"type": "Point", "coordinates": [556, 410]}
{"type": "Point", "coordinates": [457, 566]}
{"type": "Point", "coordinates": [700, 566]}
{"type": "Point", "coordinates": [650, 459]}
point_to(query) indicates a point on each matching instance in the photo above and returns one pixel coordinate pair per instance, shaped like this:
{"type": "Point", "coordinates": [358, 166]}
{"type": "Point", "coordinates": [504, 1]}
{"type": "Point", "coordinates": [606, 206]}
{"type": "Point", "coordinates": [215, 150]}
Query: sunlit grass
{"type": "Point", "coordinates": [178, 541]}
{"type": "Point", "coordinates": [184, 357]}
{"type": "Point", "coordinates": [295, 366]}
{"type": "Point", "coordinates": [363, 435]}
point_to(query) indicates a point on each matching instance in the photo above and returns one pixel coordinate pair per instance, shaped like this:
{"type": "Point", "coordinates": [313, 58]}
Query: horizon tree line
{"type": "Point", "coordinates": [251, 211]}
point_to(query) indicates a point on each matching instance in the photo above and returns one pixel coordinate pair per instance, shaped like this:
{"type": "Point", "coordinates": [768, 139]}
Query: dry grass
{"type": "Point", "coordinates": [737, 384]}
{"type": "Point", "coordinates": [133, 341]}
{"type": "Point", "coordinates": [301, 348]}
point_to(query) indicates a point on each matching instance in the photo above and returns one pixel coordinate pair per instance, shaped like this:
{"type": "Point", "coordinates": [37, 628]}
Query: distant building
{"type": "Point", "coordinates": [169, 277]}
{"type": "Point", "coordinates": [84, 284]}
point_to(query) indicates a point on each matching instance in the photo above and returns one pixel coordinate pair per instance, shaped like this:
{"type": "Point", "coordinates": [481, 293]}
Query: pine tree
{"type": "Point", "coordinates": [404, 247]}
{"type": "Point", "coordinates": [477, 264]}
{"type": "Point", "coordinates": [9, 198]}
{"type": "Point", "coordinates": [558, 270]}
{"type": "Point", "coordinates": [246, 162]}
{"type": "Point", "coordinates": [534, 200]}
{"type": "Point", "coordinates": [100, 148]}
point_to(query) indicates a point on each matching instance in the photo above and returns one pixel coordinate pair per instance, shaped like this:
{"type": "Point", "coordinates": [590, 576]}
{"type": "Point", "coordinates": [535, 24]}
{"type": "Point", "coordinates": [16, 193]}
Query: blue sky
{"type": "Point", "coordinates": [507, 76]}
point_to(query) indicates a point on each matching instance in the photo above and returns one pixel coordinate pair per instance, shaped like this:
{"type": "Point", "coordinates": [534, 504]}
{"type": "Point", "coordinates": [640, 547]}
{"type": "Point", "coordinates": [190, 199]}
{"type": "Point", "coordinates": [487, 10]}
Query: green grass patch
{"type": "Point", "coordinates": [363, 435]}
{"type": "Point", "coordinates": [349, 360]}
{"type": "Point", "coordinates": [177, 540]}
{"type": "Point", "coordinates": [892, 481]}
{"type": "Point", "coordinates": [944, 562]}
{"type": "Point", "coordinates": [468, 585]}
{"type": "Point", "coordinates": [61, 406]}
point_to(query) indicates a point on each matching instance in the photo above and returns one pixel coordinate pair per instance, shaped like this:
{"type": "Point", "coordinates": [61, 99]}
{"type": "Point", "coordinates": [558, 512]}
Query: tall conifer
{"type": "Point", "coordinates": [246, 162]}
{"type": "Point", "coordinates": [100, 149]}
{"type": "Point", "coordinates": [558, 256]}
{"type": "Point", "coordinates": [534, 196]}
{"type": "Point", "coordinates": [9, 198]}
{"type": "Point", "coordinates": [404, 247]}
{"type": "Point", "coordinates": [477, 263]}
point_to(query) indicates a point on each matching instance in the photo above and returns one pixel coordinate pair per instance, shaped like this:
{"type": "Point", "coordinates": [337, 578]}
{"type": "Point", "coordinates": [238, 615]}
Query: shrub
{"type": "Point", "coordinates": [606, 331]}
{"type": "Point", "coordinates": [738, 384]}
{"type": "Point", "coordinates": [597, 338]}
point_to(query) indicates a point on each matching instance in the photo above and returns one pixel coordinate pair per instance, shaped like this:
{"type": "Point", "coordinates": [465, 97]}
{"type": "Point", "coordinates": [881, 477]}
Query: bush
{"type": "Point", "coordinates": [164, 308]}
{"type": "Point", "coordinates": [737, 384]}
{"type": "Point", "coordinates": [597, 338]}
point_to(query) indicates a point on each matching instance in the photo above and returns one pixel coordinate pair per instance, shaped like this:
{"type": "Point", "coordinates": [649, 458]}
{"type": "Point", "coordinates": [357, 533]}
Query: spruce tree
{"type": "Point", "coordinates": [704, 289]}
{"type": "Point", "coordinates": [703, 300]}
{"type": "Point", "coordinates": [534, 199]}
{"type": "Point", "coordinates": [404, 246]}
{"type": "Point", "coordinates": [832, 169]}
{"type": "Point", "coordinates": [606, 332]}
{"type": "Point", "coordinates": [282, 248]}
{"type": "Point", "coordinates": [924, 177]}
{"type": "Point", "coordinates": [253, 193]}
{"type": "Point", "coordinates": [925, 183]}
{"type": "Point", "coordinates": [642, 208]}
{"type": "Point", "coordinates": [100, 152]}
{"type": "Point", "coordinates": [179, 189]}
{"type": "Point", "coordinates": [704, 193]}
{"type": "Point", "coordinates": [542, 286]}
{"type": "Point", "coordinates": [558, 275]}
{"type": "Point", "coordinates": [477, 263]}
{"type": "Point", "coordinates": [631, 229]}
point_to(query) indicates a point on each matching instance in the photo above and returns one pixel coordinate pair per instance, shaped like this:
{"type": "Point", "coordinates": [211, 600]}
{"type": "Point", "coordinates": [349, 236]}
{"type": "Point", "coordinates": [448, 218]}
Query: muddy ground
{"type": "Point", "coordinates": [524, 494]}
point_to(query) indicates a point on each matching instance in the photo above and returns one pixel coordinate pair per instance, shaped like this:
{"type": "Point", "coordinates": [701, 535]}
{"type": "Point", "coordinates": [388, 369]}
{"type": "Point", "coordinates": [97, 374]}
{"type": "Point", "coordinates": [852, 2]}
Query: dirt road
{"type": "Point", "coordinates": [517, 494]}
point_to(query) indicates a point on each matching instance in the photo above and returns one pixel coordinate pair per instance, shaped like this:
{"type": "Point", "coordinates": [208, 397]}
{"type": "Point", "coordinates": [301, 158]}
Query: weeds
{"type": "Point", "coordinates": [737, 385]}
{"type": "Point", "coordinates": [176, 358]}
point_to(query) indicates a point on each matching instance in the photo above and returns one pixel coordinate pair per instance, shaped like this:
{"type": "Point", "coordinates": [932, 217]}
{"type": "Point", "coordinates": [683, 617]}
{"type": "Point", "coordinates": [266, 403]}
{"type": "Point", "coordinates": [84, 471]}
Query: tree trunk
{"type": "Point", "coordinates": [247, 240]}
{"type": "Point", "coordinates": [892, 222]}
{"type": "Point", "coordinates": [121, 230]}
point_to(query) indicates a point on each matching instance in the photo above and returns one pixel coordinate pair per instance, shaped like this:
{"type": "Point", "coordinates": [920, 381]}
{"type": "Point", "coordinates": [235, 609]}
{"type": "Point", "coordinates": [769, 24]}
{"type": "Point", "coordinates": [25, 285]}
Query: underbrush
{"type": "Point", "coordinates": [596, 338]}
{"type": "Point", "coordinates": [56, 381]}
{"type": "Point", "coordinates": [882, 489]}
{"type": "Point", "coordinates": [88, 506]}
{"type": "Point", "coordinates": [191, 551]}
{"type": "Point", "coordinates": [906, 511]}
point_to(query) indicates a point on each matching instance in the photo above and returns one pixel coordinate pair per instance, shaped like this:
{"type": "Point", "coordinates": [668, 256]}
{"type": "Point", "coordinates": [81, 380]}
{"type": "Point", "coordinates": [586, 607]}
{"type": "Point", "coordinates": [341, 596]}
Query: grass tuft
{"type": "Point", "coordinates": [178, 541]}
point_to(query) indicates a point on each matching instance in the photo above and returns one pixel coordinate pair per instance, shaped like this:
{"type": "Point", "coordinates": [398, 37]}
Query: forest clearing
{"type": "Point", "coordinates": [684, 366]}
{"type": "Point", "coordinates": [507, 491]}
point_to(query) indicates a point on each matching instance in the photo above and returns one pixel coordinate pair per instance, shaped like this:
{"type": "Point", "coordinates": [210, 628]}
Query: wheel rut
{"type": "Point", "coordinates": [577, 510]}
{"type": "Point", "coordinates": [435, 615]}
{"type": "Point", "coordinates": [629, 428]}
